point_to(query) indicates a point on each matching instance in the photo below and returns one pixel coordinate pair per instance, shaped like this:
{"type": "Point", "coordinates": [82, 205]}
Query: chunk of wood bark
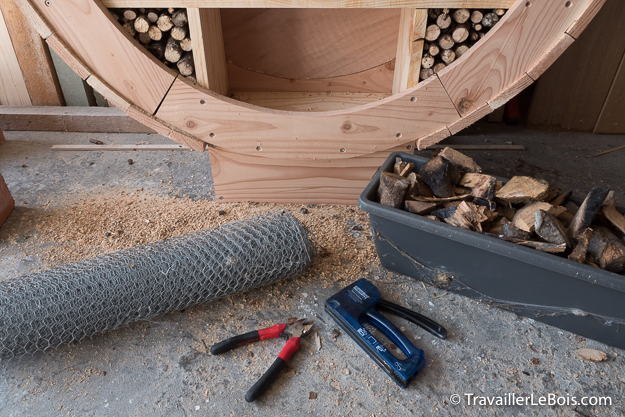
{"type": "Point", "coordinates": [561, 199]}
{"type": "Point", "coordinates": [581, 249]}
{"type": "Point", "coordinates": [446, 42]}
{"type": "Point", "coordinates": [186, 45]}
{"type": "Point", "coordinates": [476, 16]}
{"type": "Point", "coordinates": [157, 49]}
{"type": "Point", "coordinates": [591, 355]}
{"type": "Point", "coordinates": [525, 217]}
{"type": "Point", "coordinates": [447, 56]}
{"type": "Point", "coordinates": [432, 33]}
{"type": "Point", "coordinates": [443, 21]}
{"type": "Point", "coordinates": [482, 186]}
{"type": "Point", "coordinates": [164, 22]}
{"type": "Point", "coordinates": [443, 199]}
{"type": "Point", "coordinates": [551, 194]}
{"type": "Point", "coordinates": [542, 246]}
{"type": "Point", "coordinates": [419, 188]}
{"type": "Point", "coordinates": [509, 230]}
{"type": "Point", "coordinates": [460, 33]}
{"type": "Point", "coordinates": [444, 213]}
{"type": "Point", "coordinates": [173, 53]}
{"type": "Point", "coordinates": [468, 216]}
{"type": "Point", "coordinates": [460, 160]}
{"type": "Point", "coordinates": [489, 20]}
{"type": "Point", "coordinates": [185, 64]}
{"type": "Point", "coordinates": [440, 175]}
{"type": "Point", "coordinates": [179, 18]}
{"type": "Point", "coordinates": [522, 190]}
{"type": "Point", "coordinates": [549, 228]}
{"type": "Point", "coordinates": [155, 33]}
{"type": "Point", "coordinates": [142, 24]}
{"type": "Point", "coordinates": [178, 33]}
{"type": "Point", "coordinates": [419, 207]}
{"type": "Point", "coordinates": [392, 189]}
{"type": "Point", "coordinates": [588, 210]}
{"type": "Point", "coordinates": [439, 67]}
{"type": "Point", "coordinates": [607, 249]}
{"type": "Point", "coordinates": [612, 214]}
{"type": "Point", "coordinates": [461, 15]}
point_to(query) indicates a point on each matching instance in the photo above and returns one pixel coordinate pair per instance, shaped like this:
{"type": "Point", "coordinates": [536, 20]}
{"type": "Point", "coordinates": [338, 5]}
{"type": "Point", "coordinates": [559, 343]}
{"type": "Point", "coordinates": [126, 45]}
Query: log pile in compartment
{"type": "Point", "coordinates": [451, 32]}
{"type": "Point", "coordinates": [526, 211]}
{"type": "Point", "coordinates": [164, 33]}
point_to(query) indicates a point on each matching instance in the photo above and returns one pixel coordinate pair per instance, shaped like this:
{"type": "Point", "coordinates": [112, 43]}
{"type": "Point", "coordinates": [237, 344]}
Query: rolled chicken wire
{"type": "Point", "coordinates": [48, 309]}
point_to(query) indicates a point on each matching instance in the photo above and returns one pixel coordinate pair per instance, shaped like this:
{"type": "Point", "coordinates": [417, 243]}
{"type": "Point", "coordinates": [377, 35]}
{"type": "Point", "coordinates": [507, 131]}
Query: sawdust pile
{"type": "Point", "coordinates": [102, 224]}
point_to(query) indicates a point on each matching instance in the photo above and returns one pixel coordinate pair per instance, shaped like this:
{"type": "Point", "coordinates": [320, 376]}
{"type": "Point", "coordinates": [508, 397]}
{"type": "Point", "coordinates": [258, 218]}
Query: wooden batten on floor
{"type": "Point", "coordinates": [208, 49]}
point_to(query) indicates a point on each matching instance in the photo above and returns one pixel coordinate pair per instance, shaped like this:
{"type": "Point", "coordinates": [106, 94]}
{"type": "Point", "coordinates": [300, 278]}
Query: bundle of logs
{"type": "Point", "coordinates": [524, 210]}
{"type": "Point", "coordinates": [451, 32]}
{"type": "Point", "coordinates": [164, 32]}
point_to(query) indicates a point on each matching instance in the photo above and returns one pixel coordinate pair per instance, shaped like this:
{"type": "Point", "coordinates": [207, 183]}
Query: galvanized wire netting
{"type": "Point", "coordinates": [47, 309]}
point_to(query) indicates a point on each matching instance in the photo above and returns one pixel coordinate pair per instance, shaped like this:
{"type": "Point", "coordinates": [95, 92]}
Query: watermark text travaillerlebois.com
{"type": "Point", "coordinates": [512, 399]}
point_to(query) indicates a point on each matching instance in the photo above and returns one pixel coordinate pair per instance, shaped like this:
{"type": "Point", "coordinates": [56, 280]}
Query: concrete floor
{"type": "Point", "coordinates": [160, 368]}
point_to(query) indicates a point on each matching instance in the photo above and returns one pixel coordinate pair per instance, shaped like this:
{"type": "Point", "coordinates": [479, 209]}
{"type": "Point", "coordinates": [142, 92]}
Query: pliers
{"type": "Point", "coordinates": [292, 331]}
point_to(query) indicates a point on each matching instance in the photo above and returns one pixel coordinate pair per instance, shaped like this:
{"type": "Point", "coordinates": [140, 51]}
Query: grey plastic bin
{"type": "Point", "coordinates": [545, 287]}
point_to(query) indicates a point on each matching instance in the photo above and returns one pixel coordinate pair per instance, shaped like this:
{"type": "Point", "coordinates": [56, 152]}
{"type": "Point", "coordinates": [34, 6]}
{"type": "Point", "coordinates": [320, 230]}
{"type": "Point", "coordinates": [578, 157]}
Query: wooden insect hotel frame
{"type": "Point", "coordinates": [314, 127]}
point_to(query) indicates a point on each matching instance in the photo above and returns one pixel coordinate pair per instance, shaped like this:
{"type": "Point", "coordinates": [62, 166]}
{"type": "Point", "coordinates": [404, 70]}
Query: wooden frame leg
{"type": "Point", "coordinates": [6, 201]}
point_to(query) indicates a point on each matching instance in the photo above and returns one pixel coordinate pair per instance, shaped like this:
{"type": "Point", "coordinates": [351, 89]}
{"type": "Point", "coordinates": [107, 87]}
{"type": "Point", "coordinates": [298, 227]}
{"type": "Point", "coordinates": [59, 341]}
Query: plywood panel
{"type": "Point", "coordinates": [375, 80]}
{"type": "Point", "coordinates": [108, 51]}
{"type": "Point", "coordinates": [208, 49]}
{"type": "Point", "coordinates": [33, 57]}
{"type": "Point", "coordinates": [413, 23]}
{"type": "Point", "coordinates": [309, 43]}
{"type": "Point", "coordinates": [612, 117]}
{"type": "Point", "coordinates": [330, 4]}
{"type": "Point", "coordinates": [309, 101]}
{"type": "Point", "coordinates": [501, 58]}
{"type": "Point", "coordinates": [252, 178]}
{"type": "Point", "coordinates": [365, 129]}
{"type": "Point", "coordinates": [13, 91]}
{"type": "Point", "coordinates": [571, 94]}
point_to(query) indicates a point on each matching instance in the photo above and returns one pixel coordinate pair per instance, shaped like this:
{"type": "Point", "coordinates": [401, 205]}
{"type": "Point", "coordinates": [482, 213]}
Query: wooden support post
{"type": "Point", "coordinates": [412, 27]}
{"type": "Point", "coordinates": [33, 57]}
{"type": "Point", "coordinates": [13, 90]}
{"type": "Point", "coordinates": [208, 49]}
{"type": "Point", "coordinates": [1, 137]}
{"type": "Point", "coordinates": [6, 201]}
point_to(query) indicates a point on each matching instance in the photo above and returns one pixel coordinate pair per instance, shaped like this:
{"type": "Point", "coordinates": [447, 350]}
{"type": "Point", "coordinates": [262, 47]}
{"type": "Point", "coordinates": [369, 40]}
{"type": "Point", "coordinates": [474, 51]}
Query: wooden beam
{"type": "Point", "coordinates": [120, 148]}
{"type": "Point", "coordinates": [331, 4]}
{"type": "Point", "coordinates": [412, 25]}
{"type": "Point", "coordinates": [309, 102]}
{"type": "Point", "coordinates": [208, 49]}
{"type": "Point", "coordinates": [69, 119]}
{"type": "Point", "coordinates": [6, 201]}
{"type": "Point", "coordinates": [13, 91]}
{"type": "Point", "coordinates": [1, 137]}
{"type": "Point", "coordinates": [33, 57]}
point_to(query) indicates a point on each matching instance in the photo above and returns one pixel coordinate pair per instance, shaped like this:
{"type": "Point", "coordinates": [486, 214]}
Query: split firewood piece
{"type": "Point", "coordinates": [482, 186]}
{"type": "Point", "coordinates": [461, 15]}
{"type": "Point", "coordinates": [460, 160]}
{"type": "Point", "coordinates": [489, 20]}
{"type": "Point", "coordinates": [591, 355]}
{"type": "Point", "coordinates": [542, 246]}
{"type": "Point", "coordinates": [565, 218]}
{"type": "Point", "coordinates": [185, 64]}
{"type": "Point", "coordinates": [444, 213]}
{"type": "Point", "coordinates": [421, 189]}
{"type": "Point", "coordinates": [155, 33]}
{"type": "Point", "coordinates": [419, 207]}
{"type": "Point", "coordinates": [468, 216]}
{"type": "Point", "coordinates": [164, 22]}
{"type": "Point", "coordinates": [446, 42]}
{"type": "Point", "coordinates": [173, 53]}
{"type": "Point", "coordinates": [179, 18]}
{"type": "Point", "coordinates": [522, 190]}
{"type": "Point", "coordinates": [432, 33]}
{"type": "Point", "coordinates": [607, 249]}
{"type": "Point", "coordinates": [142, 24]}
{"type": "Point", "coordinates": [581, 249]}
{"type": "Point", "coordinates": [496, 226]}
{"type": "Point", "coordinates": [551, 194]}
{"type": "Point", "coordinates": [561, 199]}
{"type": "Point", "coordinates": [549, 228]}
{"type": "Point", "coordinates": [506, 212]}
{"type": "Point", "coordinates": [612, 214]}
{"type": "Point", "coordinates": [441, 176]}
{"type": "Point", "coordinates": [509, 230]}
{"type": "Point", "coordinates": [571, 207]}
{"type": "Point", "coordinates": [442, 199]}
{"type": "Point", "coordinates": [460, 33]}
{"type": "Point", "coordinates": [588, 210]}
{"type": "Point", "coordinates": [443, 21]}
{"type": "Point", "coordinates": [476, 16]}
{"type": "Point", "coordinates": [407, 169]}
{"type": "Point", "coordinates": [399, 165]}
{"type": "Point", "coordinates": [447, 56]}
{"type": "Point", "coordinates": [525, 217]}
{"type": "Point", "coordinates": [392, 189]}
{"type": "Point", "coordinates": [490, 205]}
{"type": "Point", "coordinates": [462, 190]}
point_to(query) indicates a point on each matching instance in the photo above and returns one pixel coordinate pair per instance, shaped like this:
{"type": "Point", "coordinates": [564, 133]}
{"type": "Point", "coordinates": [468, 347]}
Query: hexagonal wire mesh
{"type": "Point", "coordinates": [65, 304]}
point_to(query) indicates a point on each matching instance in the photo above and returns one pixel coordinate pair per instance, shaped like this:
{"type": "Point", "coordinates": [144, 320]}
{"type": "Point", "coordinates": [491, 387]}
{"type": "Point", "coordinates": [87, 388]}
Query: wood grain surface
{"type": "Point", "coordinates": [413, 23]}
{"type": "Point", "coordinates": [330, 4]}
{"type": "Point", "coordinates": [308, 102]}
{"type": "Point", "coordinates": [13, 91]}
{"type": "Point", "coordinates": [208, 49]}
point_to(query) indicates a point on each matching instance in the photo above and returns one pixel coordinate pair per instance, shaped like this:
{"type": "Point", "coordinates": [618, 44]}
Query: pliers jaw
{"type": "Point", "coordinates": [297, 328]}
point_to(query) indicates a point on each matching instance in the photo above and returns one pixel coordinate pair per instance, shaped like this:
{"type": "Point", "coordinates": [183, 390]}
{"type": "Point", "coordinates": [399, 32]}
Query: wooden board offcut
{"type": "Point", "coordinates": [13, 91]}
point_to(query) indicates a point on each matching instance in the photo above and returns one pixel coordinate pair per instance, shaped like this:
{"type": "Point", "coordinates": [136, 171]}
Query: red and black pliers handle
{"type": "Point", "coordinates": [292, 331]}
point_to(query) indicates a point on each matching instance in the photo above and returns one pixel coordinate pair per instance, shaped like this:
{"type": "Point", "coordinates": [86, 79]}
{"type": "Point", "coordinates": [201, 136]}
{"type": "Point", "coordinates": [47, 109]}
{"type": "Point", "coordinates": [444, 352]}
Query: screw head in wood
{"type": "Point", "coordinates": [567, 4]}
{"type": "Point", "coordinates": [48, 3]}
{"type": "Point", "coordinates": [211, 134]}
{"type": "Point", "coordinates": [398, 135]}
{"type": "Point", "coordinates": [413, 99]}
{"type": "Point", "coordinates": [342, 150]}
{"type": "Point", "coordinates": [202, 101]}
{"type": "Point", "coordinates": [259, 148]}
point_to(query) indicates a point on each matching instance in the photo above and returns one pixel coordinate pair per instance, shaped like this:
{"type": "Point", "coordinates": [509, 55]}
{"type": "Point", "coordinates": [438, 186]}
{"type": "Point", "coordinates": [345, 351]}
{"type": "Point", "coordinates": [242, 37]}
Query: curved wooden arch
{"type": "Point", "coordinates": [531, 35]}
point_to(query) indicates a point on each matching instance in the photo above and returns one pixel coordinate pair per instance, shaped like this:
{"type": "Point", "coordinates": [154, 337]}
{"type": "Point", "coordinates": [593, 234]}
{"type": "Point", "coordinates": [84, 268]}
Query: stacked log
{"type": "Point", "coordinates": [451, 32]}
{"type": "Point", "coordinates": [163, 32]}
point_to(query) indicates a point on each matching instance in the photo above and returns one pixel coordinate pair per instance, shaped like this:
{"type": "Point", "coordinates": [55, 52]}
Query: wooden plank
{"type": "Point", "coordinates": [502, 98]}
{"type": "Point", "coordinates": [470, 118]}
{"type": "Point", "coordinates": [6, 201]}
{"type": "Point", "coordinates": [308, 102]}
{"type": "Point", "coordinates": [571, 94]}
{"type": "Point", "coordinates": [108, 51]}
{"type": "Point", "coordinates": [108, 93]}
{"type": "Point", "coordinates": [522, 37]}
{"type": "Point", "coordinates": [321, 43]}
{"type": "Point", "coordinates": [578, 26]}
{"type": "Point", "coordinates": [612, 117]}
{"type": "Point", "coordinates": [431, 139]}
{"type": "Point", "coordinates": [252, 178]}
{"type": "Point", "coordinates": [68, 57]}
{"type": "Point", "coordinates": [412, 25]}
{"type": "Point", "coordinates": [33, 57]}
{"type": "Point", "coordinates": [330, 4]}
{"type": "Point", "coordinates": [374, 80]}
{"type": "Point", "coordinates": [69, 119]}
{"type": "Point", "coordinates": [13, 91]}
{"type": "Point", "coordinates": [365, 129]}
{"type": "Point", "coordinates": [120, 148]}
{"type": "Point", "coordinates": [208, 49]}
{"type": "Point", "coordinates": [550, 57]}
